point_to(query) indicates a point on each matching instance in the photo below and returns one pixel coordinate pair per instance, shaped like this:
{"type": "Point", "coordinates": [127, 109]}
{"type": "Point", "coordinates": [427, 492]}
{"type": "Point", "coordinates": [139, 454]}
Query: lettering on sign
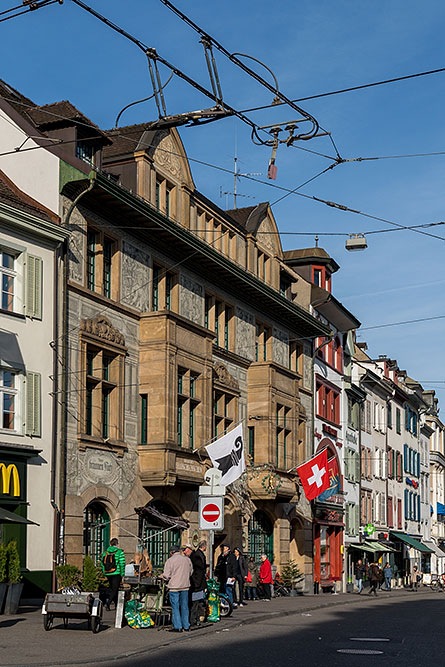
{"type": "Point", "coordinates": [100, 467]}
{"type": "Point", "coordinates": [10, 476]}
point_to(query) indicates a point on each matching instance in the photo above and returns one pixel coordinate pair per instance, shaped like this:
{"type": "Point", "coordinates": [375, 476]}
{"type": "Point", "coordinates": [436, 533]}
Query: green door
{"type": "Point", "coordinates": [96, 532]}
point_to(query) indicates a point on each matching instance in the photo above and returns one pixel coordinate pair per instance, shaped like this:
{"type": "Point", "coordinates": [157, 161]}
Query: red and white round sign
{"type": "Point", "coordinates": [211, 512]}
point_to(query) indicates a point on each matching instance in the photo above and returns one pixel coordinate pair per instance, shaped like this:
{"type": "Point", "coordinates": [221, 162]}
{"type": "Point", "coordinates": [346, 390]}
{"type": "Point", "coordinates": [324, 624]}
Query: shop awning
{"type": "Point", "coordinates": [364, 546]}
{"type": "Point", "coordinates": [10, 517]}
{"type": "Point", "coordinates": [160, 519]}
{"type": "Point", "coordinates": [410, 541]}
{"type": "Point", "coordinates": [437, 550]}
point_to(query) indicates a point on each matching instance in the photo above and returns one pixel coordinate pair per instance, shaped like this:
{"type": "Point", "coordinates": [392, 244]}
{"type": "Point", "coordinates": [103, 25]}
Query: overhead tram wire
{"type": "Point", "coordinates": [397, 324]}
{"type": "Point", "coordinates": [38, 4]}
{"type": "Point", "coordinates": [219, 168]}
{"type": "Point", "coordinates": [348, 90]}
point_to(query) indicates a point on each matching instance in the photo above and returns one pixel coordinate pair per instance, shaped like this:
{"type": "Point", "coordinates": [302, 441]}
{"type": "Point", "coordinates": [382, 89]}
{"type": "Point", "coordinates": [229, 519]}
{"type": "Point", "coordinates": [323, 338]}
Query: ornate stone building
{"type": "Point", "coordinates": [183, 320]}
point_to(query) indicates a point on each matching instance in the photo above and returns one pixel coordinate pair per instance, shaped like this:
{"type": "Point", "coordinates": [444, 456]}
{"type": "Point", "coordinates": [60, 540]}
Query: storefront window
{"type": "Point", "coordinates": [324, 554]}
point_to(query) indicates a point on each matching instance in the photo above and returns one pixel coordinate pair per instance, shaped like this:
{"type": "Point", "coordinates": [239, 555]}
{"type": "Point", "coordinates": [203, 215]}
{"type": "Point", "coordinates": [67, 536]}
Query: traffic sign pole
{"type": "Point", "coordinates": [211, 555]}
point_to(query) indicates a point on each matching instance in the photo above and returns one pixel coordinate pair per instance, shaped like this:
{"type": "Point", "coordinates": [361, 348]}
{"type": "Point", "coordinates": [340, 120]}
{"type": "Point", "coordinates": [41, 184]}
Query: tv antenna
{"type": "Point", "coordinates": [237, 176]}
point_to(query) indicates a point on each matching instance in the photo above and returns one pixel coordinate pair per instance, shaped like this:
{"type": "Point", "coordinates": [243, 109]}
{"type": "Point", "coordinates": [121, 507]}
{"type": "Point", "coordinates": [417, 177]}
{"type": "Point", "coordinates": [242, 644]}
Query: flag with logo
{"type": "Point", "coordinates": [227, 454]}
{"type": "Point", "coordinates": [334, 480]}
{"type": "Point", "coordinates": [314, 475]}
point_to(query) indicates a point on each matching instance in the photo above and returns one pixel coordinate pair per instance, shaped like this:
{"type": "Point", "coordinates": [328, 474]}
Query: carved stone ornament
{"type": "Point", "coordinates": [223, 377]}
{"type": "Point", "coordinates": [166, 156]}
{"type": "Point", "coordinates": [101, 327]}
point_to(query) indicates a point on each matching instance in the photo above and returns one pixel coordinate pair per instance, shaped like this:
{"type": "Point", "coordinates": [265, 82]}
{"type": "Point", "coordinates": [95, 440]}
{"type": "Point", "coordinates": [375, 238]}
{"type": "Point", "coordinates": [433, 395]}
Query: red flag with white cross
{"type": "Point", "coordinates": [314, 475]}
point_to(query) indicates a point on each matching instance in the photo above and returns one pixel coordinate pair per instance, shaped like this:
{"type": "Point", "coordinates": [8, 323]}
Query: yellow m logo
{"type": "Point", "coordinates": [6, 473]}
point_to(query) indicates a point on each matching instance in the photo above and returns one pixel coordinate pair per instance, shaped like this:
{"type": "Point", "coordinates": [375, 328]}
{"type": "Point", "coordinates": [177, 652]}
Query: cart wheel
{"type": "Point", "coordinates": [95, 623]}
{"type": "Point", "coordinates": [48, 621]}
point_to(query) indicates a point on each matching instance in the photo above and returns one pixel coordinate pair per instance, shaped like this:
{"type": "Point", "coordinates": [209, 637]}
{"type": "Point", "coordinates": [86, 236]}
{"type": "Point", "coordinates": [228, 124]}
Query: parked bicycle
{"type": "Point", "coordinates": [438, 583]}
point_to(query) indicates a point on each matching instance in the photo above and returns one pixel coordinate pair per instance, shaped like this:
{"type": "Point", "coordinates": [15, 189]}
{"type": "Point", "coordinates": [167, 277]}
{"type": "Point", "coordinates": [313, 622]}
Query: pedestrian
{"type": "Point", "coordinates": [198, 583]}
{"type": "Point", "coordinates": [252, 579]}
{"type": "Point", "coordinates": [113, 566]}
{"type": "Point", "coordinates": [240, 575]}
{"type": "Point", "coordinates": [266, 579]}
{"type": "Point", "coordinates": [387, 573]}
{"type": "Point", "coordinates": [177, 572]}
{"type": "Point", "coordinates": [415, 578]}
{"type": "Point", "coordinates": [374, 577]}
{"type": "Point", "coordinates": [225, 571]}
{"type": "Point", "coordinates": [359, 574]}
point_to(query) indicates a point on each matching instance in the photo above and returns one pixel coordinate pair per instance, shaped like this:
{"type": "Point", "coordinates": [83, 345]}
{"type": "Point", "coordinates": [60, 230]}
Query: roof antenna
{"type": "Point", "coordinates": [316, 241]}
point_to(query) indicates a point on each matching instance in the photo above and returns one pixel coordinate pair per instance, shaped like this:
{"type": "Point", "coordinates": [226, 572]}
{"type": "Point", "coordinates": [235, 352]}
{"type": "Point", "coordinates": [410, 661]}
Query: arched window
{"type": "Point", "coordinates": [158, 540]}
{"type": "Point", "coordinates": [260, 536]}
{"type": "Point", "coordinates": [96, 530]}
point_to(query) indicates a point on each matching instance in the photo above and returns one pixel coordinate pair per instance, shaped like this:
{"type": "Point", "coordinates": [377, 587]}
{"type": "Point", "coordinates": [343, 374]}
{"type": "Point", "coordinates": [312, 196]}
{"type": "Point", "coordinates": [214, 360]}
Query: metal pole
{"type": "Point", "coordinates": [211, 538]}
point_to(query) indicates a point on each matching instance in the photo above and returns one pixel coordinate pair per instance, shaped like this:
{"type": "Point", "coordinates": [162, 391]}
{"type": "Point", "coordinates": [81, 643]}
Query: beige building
{"type": "Point", "coordinates": [182, 321]}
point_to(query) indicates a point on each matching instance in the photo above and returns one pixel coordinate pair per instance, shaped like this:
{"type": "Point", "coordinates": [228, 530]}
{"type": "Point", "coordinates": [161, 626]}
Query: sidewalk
{"type": "Point", "coordinates": [24, 641]}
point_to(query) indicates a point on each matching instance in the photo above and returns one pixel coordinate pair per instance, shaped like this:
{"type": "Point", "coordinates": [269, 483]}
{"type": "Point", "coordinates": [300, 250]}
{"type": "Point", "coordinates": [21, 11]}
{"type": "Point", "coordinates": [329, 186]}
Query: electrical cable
{"type": "Point", "coordinates": [145, 99]}
{"type": "Point", "coordinates": [348, 90]}
{"type": "Point", "coordinates": [37, 4]}
{"type": "Point", "coordinates": [396, 324]}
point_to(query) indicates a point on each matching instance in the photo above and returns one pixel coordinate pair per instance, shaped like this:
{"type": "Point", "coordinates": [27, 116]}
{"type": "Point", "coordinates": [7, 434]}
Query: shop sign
{"type": "Point", "coordinates": [12, 480]}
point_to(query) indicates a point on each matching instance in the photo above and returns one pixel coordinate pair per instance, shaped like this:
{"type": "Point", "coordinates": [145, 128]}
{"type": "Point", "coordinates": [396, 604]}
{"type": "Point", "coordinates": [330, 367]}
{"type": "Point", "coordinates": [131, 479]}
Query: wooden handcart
{"type": "Point", "coordinates": [72, 605]}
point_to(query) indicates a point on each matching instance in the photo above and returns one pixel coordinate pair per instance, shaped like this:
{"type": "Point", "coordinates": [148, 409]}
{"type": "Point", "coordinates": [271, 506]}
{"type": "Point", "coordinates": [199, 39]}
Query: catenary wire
{"type": "Point", "coordinates": [231, 172]}
{"type": "Point", "coordinates": [352, 88]}
{"type": "Point", "coordinates": [396, 324]}
{"type": "Point", "coordinates": [30, 8]}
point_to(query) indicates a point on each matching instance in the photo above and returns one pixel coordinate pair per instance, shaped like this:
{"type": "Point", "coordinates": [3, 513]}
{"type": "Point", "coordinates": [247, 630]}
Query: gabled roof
{"type": "Point", "coordinates": [11, 195]}
{"type": "Point", "coordinates": [305, 256]}
{"type": "Point", "coordinates": [19, 102]}
{"type": "Point", "coordinates": [126, 139]}
{"type": "Point", "coordinates": [62, 114]}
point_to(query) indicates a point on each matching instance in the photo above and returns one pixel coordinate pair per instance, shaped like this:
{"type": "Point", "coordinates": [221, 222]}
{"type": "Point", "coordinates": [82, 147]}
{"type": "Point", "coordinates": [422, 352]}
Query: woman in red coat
{"type": "Point", "coordinates": [266, 580]}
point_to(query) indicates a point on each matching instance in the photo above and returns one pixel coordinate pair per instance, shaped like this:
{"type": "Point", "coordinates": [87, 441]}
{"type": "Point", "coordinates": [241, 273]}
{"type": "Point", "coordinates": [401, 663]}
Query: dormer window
{"type": "Point", "coordinates": [85, 151]}
{"type": "Point", "coordinates": [321, 277]}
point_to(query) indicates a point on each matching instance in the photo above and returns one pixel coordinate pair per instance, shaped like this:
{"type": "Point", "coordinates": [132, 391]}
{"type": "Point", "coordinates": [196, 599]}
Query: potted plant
{"type": "Point", "coordinates": [3, 576]}
{"type": "Point", "coordinates": [90, 576]}
{"type": "Point", "coordinates": [14, 579]}
{"type": "Point", "coordinates": [68, 576]}
{"type": "Point", "coordinates": [291, 575]}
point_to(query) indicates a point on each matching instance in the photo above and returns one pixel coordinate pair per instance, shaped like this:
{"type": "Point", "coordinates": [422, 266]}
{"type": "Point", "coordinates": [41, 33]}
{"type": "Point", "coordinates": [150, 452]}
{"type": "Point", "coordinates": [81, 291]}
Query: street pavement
{"type": "Point", "coordinates": [347, 630]}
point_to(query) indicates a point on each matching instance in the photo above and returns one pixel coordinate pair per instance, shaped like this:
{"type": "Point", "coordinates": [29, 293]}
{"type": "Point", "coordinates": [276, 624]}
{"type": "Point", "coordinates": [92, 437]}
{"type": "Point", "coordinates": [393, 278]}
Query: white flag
{"type": "Point", "coordinates": [227, 454]}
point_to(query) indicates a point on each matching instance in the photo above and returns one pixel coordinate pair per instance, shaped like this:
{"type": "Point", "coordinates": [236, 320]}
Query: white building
{"type": "Point", "coordinates": [31, 251]}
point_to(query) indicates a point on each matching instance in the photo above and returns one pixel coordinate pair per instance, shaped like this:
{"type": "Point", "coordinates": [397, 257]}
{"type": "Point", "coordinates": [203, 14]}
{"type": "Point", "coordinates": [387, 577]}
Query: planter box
{"type": "Point", "coordinates": [13, 598]}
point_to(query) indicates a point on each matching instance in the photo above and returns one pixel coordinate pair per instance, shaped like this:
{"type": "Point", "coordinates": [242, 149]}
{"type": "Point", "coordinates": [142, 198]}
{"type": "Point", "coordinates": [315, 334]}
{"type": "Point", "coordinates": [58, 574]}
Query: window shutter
{"type": "Point", "coordinates": [33, 404]}
{"type": "Point", "coordinates": [418, 508]}
{"type": "Point", "coordinates": [405, 458]}
{"type": "Point", "coordinates": [33, 287]}
{"type": "Point", "coordinates": [406, 503]}
{"type": "Point", "coordinates": [348, 518]}
{"type": "Point", "coordinates": [418, 465]}
{"type": "Point", "coordinates": [357, 466]}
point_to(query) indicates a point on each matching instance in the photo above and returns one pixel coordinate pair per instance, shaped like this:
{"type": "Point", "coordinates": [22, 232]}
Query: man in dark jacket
{"type": "Point", "coordinates": [359, 574]}
{"type": "Point", "coordinates": [198, 582]}
{"type": "Point", "coordinates": [225, 571]}
{"type": "Point", "coordinates": [113, 567]}
{"type": "Point", "coordinates": [374, 574]}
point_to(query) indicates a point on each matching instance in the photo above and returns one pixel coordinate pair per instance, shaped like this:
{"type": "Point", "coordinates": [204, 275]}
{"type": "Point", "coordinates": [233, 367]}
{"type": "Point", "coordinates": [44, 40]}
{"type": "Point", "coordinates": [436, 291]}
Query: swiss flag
{"type": "Point", "coordinates": [314, 475]}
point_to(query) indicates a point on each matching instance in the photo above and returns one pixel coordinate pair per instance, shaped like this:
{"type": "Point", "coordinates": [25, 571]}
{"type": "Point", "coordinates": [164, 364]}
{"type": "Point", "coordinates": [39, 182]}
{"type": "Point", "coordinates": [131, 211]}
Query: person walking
{"type": "Point", "coordinates": [387, 574]}
{"type": "Point", "coordinates": [415, 578]}
{"type": "Point", "coordinates": [177, 572]}
{"type": "Point", "coordinates": [374, 576]}
{"type": "Point", "coordinates": [240, 575]}
{"type": "Point", "coordinates": [359, 574]}
{"type": "Point", "coordinates": [225, 571]}
{"type": "Point", "coordinates": [198, 583]}
{"type": "Point", "coordinates": [113, 566]}
{"type": "Point", "coordinates": [252, 579]}
{"type": "Point", "coordinates": [266, 579]}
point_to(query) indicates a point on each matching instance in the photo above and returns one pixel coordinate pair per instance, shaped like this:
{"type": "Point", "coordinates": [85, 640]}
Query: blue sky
{"type": "Point", "coordinates": [61, 52]}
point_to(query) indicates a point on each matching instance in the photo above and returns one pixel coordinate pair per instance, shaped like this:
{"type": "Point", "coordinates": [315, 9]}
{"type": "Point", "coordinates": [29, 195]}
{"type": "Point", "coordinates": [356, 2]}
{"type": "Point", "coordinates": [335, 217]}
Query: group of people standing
{"type": "Point", "coordinates": [237, 575]}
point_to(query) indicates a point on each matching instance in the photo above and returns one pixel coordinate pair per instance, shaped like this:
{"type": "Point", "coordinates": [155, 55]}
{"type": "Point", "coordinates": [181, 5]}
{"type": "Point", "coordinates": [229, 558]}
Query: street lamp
{"type": "Point", "coordinates": [356, 242]}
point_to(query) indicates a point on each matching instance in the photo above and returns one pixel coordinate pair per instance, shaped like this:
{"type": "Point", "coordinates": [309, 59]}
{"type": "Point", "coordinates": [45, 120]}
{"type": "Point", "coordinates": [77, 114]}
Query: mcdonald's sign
{"type": "Point", "coordinates": [10, 481]}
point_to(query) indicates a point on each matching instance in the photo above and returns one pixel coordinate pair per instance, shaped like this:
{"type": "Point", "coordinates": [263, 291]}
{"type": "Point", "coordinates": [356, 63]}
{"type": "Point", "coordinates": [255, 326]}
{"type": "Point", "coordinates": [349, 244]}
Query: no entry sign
{"type": "Point", "coordinates": [211, 513]}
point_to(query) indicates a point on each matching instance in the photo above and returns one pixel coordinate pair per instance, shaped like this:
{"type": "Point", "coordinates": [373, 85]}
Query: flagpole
{"type": "Point", "coordinates": [217, 437]}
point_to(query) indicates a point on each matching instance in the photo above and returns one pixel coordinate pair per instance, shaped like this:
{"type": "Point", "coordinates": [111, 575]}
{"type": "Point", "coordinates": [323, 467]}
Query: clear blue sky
{"type": "Point", "coordinates": [61, 52]}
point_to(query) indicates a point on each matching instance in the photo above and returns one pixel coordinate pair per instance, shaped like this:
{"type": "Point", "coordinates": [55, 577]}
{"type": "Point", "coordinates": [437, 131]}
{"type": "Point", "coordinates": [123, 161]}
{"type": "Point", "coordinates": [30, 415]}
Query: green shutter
{"type": "Point", "coordinates": [33, 404]}
{"type": "Point", "coordinates": [33, 286]}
